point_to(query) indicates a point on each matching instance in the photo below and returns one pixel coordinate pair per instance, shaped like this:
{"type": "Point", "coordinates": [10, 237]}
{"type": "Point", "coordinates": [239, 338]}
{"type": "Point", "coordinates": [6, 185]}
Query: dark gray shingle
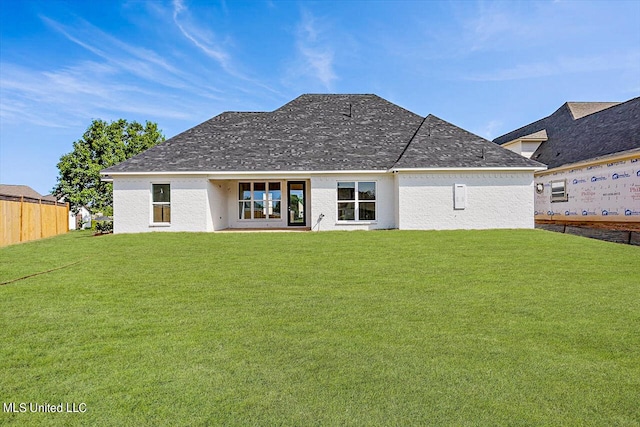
{"type": "Point", "coordinates": [439, 144]}
{"type": "Point", "coordinates": [613, 129]}
{"type": "Point", "coordinates": [317, 133]}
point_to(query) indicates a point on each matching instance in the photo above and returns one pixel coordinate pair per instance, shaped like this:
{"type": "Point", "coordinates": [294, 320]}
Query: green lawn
{"type": "Point", "coordinates": [458, 328]}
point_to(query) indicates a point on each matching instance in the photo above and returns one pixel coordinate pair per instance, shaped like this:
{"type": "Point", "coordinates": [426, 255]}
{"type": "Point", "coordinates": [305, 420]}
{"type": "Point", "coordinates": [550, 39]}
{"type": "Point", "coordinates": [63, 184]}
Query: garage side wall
{"type": "Point", "coordinates": [486, 200]}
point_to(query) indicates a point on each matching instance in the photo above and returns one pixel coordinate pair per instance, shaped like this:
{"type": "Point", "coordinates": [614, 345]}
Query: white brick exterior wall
{"type": "Point", "coordinates": [324, 200]}
{"type": "Point", "coordinates": [493, 200]}
{"type": "Point", "coordinates": [403, 200]}
{"type": "Point", "coordinates": [132, 204]}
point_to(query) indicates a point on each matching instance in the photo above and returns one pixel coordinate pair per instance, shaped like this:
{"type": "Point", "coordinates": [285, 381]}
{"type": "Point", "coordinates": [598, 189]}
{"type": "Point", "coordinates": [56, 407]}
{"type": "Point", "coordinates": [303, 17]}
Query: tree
{"type": "Point", "coordinates": [102, 145]}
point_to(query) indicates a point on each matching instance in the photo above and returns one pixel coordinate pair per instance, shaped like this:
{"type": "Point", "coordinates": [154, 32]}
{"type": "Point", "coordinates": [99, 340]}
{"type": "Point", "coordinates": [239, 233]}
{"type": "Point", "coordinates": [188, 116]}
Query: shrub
{"type": "Point", "coordinates": [104, 227]}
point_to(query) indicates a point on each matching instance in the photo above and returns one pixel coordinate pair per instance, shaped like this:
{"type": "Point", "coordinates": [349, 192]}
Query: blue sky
{"type": "Point", "coordinates": [486, 66]}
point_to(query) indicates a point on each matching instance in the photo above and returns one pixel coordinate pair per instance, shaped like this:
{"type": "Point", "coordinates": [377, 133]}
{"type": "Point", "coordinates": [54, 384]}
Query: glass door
{"type": "Point", "coordinates": [297, 213]}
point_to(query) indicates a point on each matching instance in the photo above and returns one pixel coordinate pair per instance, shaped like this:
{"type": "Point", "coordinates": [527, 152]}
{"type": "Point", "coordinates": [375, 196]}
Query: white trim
{"type": "Point", "coordinates": [349, 222]}
{"type": "Point", "coordinates": [489, 169]}
{"type": "Point", "coordinates": [258, 175]}
{"type": "Point", "coordinates": [241, 174]}
{"type": "Point", "coordinates": [356, 201]}
{"type": "Point", "coordinates": [622, 155]}
{"type": "Point", "coordinates": [152, 223]}
{"type": "Point", "coordinates": [253, 200]}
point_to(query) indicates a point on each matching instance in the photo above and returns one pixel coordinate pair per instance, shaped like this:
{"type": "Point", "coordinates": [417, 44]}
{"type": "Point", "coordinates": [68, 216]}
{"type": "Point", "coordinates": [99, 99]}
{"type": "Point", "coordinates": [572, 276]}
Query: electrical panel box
{"type": "Point", "coordinates": [459, 196]}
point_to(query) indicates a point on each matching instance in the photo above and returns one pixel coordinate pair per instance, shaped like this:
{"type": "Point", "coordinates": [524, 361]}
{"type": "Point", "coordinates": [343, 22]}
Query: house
{"type": "Point", "coordinates": [80, 220]}
{"type": "Point", "coordinates": [592, 151]}
{"type": "Point", "coordinates": [21, 191]}
{"type": "Point", "coordinates": [323, 162]}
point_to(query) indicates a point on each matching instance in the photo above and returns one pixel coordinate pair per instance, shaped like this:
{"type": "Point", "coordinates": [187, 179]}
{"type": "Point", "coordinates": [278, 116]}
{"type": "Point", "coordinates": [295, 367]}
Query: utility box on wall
{"type": "Point", "coordinates": [459, 196]}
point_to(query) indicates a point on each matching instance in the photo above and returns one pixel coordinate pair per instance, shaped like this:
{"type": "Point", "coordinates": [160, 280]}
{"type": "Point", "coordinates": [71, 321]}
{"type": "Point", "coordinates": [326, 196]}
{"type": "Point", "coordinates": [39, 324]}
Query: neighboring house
{"type": "Point", "coordinates": [80, 220]}
{"type": "Point", "coordinates": [324, 162]}
{"type": "Point", "coordinates": [19, 191]}
{"type": "Point", "coordinates": [592, 150]}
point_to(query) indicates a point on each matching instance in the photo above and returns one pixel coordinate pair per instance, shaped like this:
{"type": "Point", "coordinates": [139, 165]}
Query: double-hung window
{"type": "Point", "coordinates": [357, 201]}
{"type": "Point", "coordinates": [259, 200]}
{"type": "Point", "coordinates": [161, 203]}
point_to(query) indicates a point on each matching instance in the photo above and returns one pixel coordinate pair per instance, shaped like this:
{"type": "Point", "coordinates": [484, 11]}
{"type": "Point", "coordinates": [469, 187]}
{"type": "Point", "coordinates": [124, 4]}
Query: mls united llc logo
{"type": "Point", "coordinates": [33, 407]}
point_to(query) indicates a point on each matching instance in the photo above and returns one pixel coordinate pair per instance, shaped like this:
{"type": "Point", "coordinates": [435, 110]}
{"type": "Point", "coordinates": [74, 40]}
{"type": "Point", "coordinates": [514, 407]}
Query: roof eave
{"type": "Point", "coordinates": [474, 169]}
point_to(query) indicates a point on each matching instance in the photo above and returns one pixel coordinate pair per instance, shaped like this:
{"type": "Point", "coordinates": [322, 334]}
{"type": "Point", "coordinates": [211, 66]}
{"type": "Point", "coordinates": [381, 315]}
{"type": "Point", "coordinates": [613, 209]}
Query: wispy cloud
{"type": "Point", "coordinates": [200, 38]}
{"type": "Point", "coordinates": [140, 62]}
{"type": "Point", "coordinates": [491, 26]}
{"type": "Point", "coordinates": [69, 96]}
{"type": "Point", "coordinates": [206, 41]}
{"type": "Point", "coordinates": [119, 77]}
{"type": "Point", "coordinates": [315, 55]}
{"type": "Point", "coordinates": [488, 131]}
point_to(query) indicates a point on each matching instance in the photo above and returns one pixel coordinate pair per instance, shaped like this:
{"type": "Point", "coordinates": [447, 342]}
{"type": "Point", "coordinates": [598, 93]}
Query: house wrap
{"type": "Point", "coordinates": [592, 150]}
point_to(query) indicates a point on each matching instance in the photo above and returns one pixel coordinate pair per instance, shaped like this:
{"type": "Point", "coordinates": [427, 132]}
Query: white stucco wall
{"type": "Point", "coordinates": [324, 201]}
{"type": "Point", "coordinates": [493, 200]}
{"type": "Point", "coordinates": [190, 208]}
{"type": "Point", "coordinates": [600, 191]}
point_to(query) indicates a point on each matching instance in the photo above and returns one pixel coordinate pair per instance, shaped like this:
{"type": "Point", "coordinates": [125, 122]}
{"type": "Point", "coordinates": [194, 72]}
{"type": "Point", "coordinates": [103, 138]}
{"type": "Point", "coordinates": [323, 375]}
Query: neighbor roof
{"type": "Point", "coordinates": [322, 133]}
{"type": "Point", "coordinates": [19, 191]}
{"type": "Point", "coordinates": [581, 131]}
{"type": "Point", "coordinates": [581, 109]}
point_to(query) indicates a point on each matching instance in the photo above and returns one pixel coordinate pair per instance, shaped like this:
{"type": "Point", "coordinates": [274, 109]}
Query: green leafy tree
{"type": "Point", "coordinates": [102, 145]}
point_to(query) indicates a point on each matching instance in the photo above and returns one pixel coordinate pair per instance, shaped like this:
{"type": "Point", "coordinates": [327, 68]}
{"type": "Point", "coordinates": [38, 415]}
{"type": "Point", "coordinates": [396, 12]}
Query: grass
{"type": "Point", "coordinates": [496, 327]}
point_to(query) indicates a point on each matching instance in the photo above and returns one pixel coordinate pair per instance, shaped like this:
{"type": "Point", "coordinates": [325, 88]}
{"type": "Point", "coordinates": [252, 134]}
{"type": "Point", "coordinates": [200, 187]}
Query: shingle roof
{"type": "Point", "coordinates": [19, 191]}
{"type": "Point", "coordinates": [439, 144]}
{"type": "Point", "coordinates": [614, 128]}
{"type": "Point", "coordinates": [317, 133]}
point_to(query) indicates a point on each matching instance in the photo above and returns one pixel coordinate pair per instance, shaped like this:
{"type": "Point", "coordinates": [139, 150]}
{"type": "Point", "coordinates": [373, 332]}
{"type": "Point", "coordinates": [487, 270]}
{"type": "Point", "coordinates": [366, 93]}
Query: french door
{"type": "Point", "coordinates": [297, 209]}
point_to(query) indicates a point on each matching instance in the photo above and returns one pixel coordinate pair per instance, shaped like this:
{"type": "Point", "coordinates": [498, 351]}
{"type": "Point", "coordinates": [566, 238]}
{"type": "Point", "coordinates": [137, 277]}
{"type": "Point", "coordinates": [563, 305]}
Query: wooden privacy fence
{"type": "Point", "coordinates": [24, 218]}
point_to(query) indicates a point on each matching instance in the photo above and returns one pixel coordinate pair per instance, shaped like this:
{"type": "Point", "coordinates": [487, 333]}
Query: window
{"type": "Point", "coordinates": [161, 203]}
{"type": "Point", "coordinates": [559, 191]}
{"type": "Point", "coordinates": [259, 200]}
{"type": "Point", "coordinates": [356, 201]}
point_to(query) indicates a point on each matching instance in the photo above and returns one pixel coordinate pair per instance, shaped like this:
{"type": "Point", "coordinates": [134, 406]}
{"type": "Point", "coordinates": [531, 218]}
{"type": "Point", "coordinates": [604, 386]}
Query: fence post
{"type": "Point", "coordinates": [41, 218]}
{"type": "Point", "coordinates": [21, 209]}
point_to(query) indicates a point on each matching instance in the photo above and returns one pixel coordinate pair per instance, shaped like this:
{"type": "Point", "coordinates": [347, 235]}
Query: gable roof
{"type": "Point", "coordinates": [581, 131]}
{"type": "Point", "coordinates": [317, 133]}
